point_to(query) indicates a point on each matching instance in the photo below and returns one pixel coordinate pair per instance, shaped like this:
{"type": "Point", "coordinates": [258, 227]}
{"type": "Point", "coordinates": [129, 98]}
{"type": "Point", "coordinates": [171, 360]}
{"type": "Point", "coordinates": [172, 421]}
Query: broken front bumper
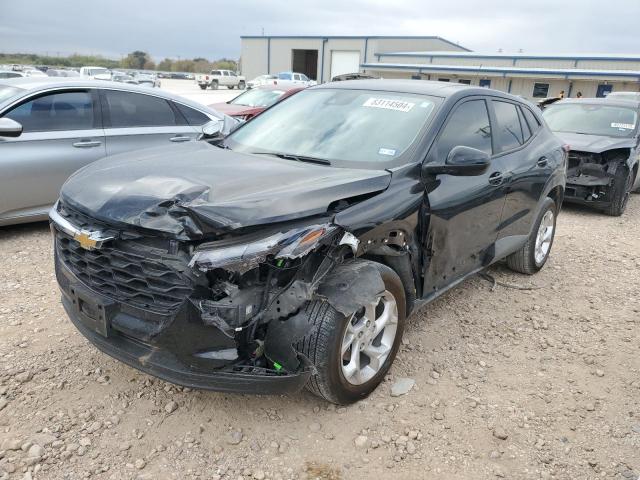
{"type": "Point", "coordinates": [178, 354]}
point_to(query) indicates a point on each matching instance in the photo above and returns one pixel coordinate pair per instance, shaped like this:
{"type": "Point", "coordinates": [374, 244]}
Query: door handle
{"type": "Point", "coordinates": [542, 162]}
{"type": "Point", "coordinates": [179, 138]}
{"type": "Point", "coordinates": [496, 178]}
{"type": "Point", "coordinates": [87, 144]}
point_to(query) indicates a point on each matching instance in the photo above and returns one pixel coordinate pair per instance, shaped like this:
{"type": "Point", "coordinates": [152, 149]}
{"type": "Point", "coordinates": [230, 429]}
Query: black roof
{"type": "Point", "coordinates": [617, 101]}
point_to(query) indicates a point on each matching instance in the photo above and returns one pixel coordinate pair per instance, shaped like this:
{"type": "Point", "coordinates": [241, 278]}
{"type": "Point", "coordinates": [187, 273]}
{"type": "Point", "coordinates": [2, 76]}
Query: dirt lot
{"type": "Point", "coordinates": [510, 383]}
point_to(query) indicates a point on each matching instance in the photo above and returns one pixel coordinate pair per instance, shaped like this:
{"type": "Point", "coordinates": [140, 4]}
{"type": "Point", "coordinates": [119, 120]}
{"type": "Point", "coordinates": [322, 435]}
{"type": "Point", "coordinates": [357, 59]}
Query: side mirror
{"type": "Point", "coordinates": [10, 128]}
{"type": "Point", "coordinates": [212, 129]}
{"type": "Point", "coordinates": [461, 161]}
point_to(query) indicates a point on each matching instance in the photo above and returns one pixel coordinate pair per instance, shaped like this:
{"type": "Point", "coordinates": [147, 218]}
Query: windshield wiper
{"type": "Point", "coordinates": [297, 158]}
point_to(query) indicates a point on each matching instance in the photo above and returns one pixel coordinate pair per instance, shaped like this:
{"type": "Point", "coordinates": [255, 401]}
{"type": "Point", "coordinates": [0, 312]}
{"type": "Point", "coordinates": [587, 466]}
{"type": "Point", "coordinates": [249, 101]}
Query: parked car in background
{"type": "Point", "coordinates": [253, 102]}
{"type": "Point", "coordinates": [286, 257]}
{"type": "Point", "coordinates": [262, 80]}
{"type": "Point", "coordinates": [603, 162]}
{"type": "Point", "coordinates": [221, 78]}
{"type": "Point", "coordinates": [122, 77]}
{"type": "Point", "coordinates": [93, 73]}
{"type": "Point", "coordinates": [147, 79]}
{"type": "Point", "coordinates": [34, 72]}
{"type": "Point", "coordinates": [62, 73]}
{"type": "Point", "coordinates": [296, 78]}
{"type": "Point", "coordinates": [353, 76]}
{"type": "Point", "coordinates": [624, 96]}
{"type": "Point", "coordinates": [51, 127]}
{"type": "Point", "coordinates": [10, 74]}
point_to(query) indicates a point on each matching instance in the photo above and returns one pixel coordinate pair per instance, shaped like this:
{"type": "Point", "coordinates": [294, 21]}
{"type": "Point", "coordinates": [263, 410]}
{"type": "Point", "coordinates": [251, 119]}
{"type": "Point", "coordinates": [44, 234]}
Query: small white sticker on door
{"type": "Point", "coordinates": [388, 104]}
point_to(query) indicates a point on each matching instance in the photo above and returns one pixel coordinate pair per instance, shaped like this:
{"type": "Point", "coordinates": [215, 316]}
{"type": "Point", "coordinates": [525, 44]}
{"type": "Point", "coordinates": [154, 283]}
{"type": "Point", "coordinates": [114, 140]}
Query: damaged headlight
{"type": "Point", "coordinates": [243, 257]}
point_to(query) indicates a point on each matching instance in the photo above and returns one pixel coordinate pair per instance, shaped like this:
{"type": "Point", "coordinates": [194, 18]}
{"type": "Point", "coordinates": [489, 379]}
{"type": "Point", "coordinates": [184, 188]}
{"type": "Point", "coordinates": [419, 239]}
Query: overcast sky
{"type": "Point", "coordinates": [212, 29]}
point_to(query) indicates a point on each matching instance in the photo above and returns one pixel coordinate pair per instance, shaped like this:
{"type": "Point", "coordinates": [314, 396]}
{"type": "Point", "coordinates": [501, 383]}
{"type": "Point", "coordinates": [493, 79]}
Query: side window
{"type": "Point", "coordinates": [525, 128]}
{"type": "Point", "coordinates": [225, 73]}
{"type": "Point", "coordinates": [233, 74]}
{"type": "Point", "coordinates": [59, 111]}
{"type": "Point", "coordinates": [194, 117]}
{"type": "Point", "coordinates": [127, 109]}
{"type": "Point", "coordinates": [532, 120]}
{"type": "Point", "coordinates": [508, 131]}
{"type": "Point", "coordinates": [216, 72]}
{"type": "Point", "coordinates": [468, 126]}
{"type": "Point", "coordinates": [304, 77]}
{"type": "Point", "coordinates": [296, 77]}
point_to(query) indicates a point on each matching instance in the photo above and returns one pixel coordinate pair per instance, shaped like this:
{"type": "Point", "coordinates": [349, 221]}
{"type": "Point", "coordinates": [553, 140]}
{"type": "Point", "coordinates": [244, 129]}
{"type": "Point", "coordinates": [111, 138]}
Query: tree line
{"type": "Point", "coordinates": [137, 60]}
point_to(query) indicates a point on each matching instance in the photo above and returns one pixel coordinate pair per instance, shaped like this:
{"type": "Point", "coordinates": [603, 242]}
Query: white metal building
{"type": "Point", "coordinates": [434, 58]}
{"type": "Point", "coordinates": [322, 58]}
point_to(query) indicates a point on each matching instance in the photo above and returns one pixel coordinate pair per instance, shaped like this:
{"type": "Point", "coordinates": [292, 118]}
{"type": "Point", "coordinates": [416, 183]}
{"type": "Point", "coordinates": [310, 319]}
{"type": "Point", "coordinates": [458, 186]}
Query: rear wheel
{"type": "Point", "coordinates": [203, 87]}
{"type": "Point", "coordinates": [620, 191]}
{"type": "Point", "coordinates": [353, 353]}
{"type": "Point", "coordinates": [534, 254]}
{"type": "Point", "coordinates": [230, 87]}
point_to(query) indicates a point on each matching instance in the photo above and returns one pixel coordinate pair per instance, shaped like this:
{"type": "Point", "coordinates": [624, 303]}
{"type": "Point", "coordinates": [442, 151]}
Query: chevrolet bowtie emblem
{"type": "Point", "coordinates": [85, 240]}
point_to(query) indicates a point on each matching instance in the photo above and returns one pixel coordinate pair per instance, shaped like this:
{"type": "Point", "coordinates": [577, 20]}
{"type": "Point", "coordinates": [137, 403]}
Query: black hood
{"type": "Point", "coordinates": [193, 189]}
{"type": "Point", "coordinates": [594, 143]}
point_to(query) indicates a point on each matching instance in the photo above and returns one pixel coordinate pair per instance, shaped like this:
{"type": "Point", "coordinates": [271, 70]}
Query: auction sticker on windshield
{"type": "Point", "coordinates": [626, 126]}
{"type": "Point", "coordinates": [388, 104]}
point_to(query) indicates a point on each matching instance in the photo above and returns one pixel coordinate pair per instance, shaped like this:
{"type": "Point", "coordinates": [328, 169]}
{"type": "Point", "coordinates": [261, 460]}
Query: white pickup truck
{"type": "Point", "coordinates": [221, 78]}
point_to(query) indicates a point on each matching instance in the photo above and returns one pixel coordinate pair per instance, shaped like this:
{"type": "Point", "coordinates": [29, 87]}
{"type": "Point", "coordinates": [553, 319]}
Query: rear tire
{"type": "Point", "coordinates": [324, 346]}
{"type": "Point", "coordinates": [203, 87]}
{"type": "Point", "coordinates": [230, 87]}
{"type": "Point", "coordinates": [532, 256]}
{"type": "Point", "coordinates": [620, 191]}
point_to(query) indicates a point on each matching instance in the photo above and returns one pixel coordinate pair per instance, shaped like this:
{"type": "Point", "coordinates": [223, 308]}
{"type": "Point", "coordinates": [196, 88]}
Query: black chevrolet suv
{"type": "Point", "coordinates": [290, 253]}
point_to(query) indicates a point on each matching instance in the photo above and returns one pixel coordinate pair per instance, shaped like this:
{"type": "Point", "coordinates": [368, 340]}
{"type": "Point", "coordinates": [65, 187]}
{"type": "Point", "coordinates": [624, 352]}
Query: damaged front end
{"type": "Point", "coordinates": [222, 315]}
{"type": "Point", "coordinates": [590, 176]}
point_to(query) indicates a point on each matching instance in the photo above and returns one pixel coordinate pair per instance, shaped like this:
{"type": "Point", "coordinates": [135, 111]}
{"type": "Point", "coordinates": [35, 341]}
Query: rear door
{"type": "Point", "coordinates": [62, 132]}
{"type": "Point", "coordinates": [464, 211]}
{"type": "Point", "coordinates": [136, 120]}
{"type": "Point", "coordinates": [527, 158]}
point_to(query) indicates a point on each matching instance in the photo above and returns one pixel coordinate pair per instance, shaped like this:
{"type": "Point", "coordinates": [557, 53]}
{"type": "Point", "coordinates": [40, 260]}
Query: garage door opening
{"type": "Point", "coordinates": [305, 61]}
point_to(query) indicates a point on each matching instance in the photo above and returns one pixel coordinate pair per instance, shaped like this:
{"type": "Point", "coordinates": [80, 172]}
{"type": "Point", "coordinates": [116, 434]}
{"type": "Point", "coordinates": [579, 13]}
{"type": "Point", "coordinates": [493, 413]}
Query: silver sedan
{"type": "Point", "coordinates": [51, 127]}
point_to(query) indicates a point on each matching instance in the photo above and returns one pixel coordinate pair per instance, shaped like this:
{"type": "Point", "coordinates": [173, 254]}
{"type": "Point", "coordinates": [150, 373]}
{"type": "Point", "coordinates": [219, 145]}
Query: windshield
{"type": "Point", "coordinates": [8, 92]}
{"type": "Point", "coordinates": [258, 98]}
{"type": "Point", "coordinates": [338, 125]}
{"type": "Point", "coordinates": [592, 119]}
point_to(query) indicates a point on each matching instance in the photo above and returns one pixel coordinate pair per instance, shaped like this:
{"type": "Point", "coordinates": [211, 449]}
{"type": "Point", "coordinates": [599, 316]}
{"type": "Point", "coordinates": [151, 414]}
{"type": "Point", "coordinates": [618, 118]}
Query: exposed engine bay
{"type": "Point", "coordinates": [590, 175]}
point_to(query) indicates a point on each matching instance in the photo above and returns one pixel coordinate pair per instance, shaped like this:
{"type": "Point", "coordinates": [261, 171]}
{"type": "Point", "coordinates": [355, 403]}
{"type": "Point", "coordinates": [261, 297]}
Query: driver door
{"type": "Point", "coordinates": [465, 211]}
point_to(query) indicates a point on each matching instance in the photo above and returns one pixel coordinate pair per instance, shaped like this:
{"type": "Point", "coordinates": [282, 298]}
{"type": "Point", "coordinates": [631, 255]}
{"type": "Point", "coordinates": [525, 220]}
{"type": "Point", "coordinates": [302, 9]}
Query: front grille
{"type": "Point", "coordinates": [125, 276]}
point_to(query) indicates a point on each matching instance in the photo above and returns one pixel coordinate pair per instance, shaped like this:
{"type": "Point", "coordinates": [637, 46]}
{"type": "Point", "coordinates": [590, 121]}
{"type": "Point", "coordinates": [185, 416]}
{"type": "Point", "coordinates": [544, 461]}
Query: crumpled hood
{"type": "Point", "coordinates": [192, 189]}
{"type": "Point", "coordinates": [594, 143]}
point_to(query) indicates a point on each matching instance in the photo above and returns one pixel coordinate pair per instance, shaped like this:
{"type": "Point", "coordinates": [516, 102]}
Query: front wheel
{"type": "Point", "coordinates": [353, 353]}
{"type": "Point", "coordinates": [534, 254]}
{"type": "Point", "coordinates": [620, 192]}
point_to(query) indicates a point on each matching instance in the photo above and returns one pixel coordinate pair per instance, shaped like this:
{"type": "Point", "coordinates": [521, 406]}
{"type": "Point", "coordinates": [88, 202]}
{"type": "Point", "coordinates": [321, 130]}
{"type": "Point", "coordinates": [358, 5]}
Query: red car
{"type": "Point", "coordinates": [252, 102]}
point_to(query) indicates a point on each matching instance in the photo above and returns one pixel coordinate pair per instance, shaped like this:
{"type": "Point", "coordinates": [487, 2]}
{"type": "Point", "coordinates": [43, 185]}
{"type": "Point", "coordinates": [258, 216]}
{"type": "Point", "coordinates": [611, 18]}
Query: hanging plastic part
{"type": "Point", "coordinates": [350, 240]}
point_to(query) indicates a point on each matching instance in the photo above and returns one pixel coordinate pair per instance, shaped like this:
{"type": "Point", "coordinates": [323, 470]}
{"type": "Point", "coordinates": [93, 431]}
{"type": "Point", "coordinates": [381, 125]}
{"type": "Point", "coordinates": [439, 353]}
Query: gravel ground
{"type": "Point", "coordinates": [509, 383]}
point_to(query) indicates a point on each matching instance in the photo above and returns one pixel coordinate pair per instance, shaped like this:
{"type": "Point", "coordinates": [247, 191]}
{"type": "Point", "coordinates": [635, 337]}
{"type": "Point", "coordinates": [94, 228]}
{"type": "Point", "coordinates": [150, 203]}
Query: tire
{"type": "Point", "coordinates": [241, 85]}
{"type": "Point", "coordinates": [323, 346]}
{"type": "Point", "coordinates": [620, 191]}
{"type": "Point", "coordinates": [230, 87]}
{"type": "Point", "coordinates": [203, 87]}
{"type": "Point", "coordinates": [524, 260]}
{"type": "Point", "coordinates": [214, 85]}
